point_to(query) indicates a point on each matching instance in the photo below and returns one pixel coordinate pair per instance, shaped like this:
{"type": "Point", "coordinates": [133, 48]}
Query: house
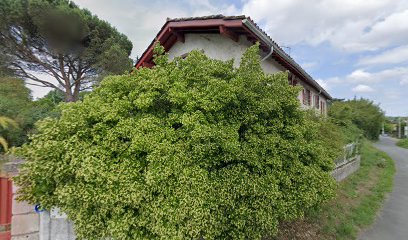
{"type": "Point", "coordinates": [227, 37]}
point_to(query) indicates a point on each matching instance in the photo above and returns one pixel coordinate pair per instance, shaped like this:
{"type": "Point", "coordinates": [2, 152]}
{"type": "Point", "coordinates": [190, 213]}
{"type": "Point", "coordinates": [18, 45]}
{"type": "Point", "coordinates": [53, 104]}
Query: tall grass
{"type": "Point", "coordinates": [403, 143]}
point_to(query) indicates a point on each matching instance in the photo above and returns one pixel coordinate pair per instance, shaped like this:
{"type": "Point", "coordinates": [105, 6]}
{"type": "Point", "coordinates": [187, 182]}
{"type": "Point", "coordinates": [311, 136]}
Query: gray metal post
{"type": "Point", "coordinates": [399, 127]}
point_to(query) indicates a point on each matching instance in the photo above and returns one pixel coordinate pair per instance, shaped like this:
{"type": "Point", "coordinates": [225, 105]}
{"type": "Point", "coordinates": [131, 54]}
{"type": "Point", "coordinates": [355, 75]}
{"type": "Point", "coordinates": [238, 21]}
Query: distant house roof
{"type": "Point", "coordinates": [230, 26]}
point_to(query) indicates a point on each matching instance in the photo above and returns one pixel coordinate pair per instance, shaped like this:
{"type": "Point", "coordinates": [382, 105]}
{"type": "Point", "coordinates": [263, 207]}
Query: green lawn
{"type": "Point", "coordinates": [403, 143]}
{"type": "Point", "coordinates": [359, 197]}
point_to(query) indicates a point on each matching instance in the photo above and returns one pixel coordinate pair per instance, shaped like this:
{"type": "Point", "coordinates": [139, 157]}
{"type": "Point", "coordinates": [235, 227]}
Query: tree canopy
{"type": "Point", "coordinates": [362, 113]}
{"type": "Point", "coordinates": [189, 149]}
{"type": "Point", "coordinates": [55, 38]}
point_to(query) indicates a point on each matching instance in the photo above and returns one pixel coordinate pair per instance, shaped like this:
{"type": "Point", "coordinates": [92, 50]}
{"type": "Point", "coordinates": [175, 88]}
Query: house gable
{"type": "Point", "coordinates": [227, 38]}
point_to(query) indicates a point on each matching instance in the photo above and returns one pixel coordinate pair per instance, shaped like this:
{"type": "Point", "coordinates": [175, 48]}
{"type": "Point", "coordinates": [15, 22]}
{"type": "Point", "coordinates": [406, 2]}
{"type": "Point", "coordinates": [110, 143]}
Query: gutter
{"type": "Point", "coordinates": [274, 47]}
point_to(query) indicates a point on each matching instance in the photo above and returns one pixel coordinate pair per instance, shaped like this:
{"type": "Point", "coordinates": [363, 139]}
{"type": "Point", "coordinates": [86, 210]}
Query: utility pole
{"type": "Point", "coordinates": [399, 127]}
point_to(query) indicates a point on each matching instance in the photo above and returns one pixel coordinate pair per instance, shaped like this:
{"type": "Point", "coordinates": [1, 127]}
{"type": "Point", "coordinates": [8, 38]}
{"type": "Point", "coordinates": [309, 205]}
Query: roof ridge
{"type": "Point", "coordinates": [215, 16]}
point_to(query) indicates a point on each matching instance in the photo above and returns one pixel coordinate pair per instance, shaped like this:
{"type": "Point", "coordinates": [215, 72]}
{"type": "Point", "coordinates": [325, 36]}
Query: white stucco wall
{"type": "Point", "coordinates": [213, 45]}
{"type": "Point", "coordinates": [217, 46]}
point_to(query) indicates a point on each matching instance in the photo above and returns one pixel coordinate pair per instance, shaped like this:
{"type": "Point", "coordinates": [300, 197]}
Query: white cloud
{"type": "Point", "coordinates": [360, 76]}
{"type": "Point", "coordinates": [393, 56]}
{"type": "Point", "coordinates": [392, 30]}
{"type": "Point", "coordinates": [361, 88]}
{"type": "Point", "coordinates": [353, 25]}
{"type": "Point", "coordinates": [363, 76]}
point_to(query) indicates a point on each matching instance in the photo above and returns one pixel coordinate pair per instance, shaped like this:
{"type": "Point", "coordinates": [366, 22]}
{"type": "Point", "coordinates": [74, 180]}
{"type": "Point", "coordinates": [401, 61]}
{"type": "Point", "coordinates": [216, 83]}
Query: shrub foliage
{"type": "Point", "coordinates": [192, 148]}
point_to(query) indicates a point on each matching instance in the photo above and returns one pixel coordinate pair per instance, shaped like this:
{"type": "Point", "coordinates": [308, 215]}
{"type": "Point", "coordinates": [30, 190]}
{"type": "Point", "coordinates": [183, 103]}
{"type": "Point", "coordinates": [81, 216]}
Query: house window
{"type": "Point", "coordinates": [307, 97]}
{"type": "Point", "coordinates": [304, 96]}
{"type": "Point", "coordinates": [322, 108]}
{"type": "Point", "coordinates": [317, 101]}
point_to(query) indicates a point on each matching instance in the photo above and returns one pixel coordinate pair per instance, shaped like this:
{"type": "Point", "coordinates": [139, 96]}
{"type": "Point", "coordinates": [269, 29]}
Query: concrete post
{"type": "Point", "coordinates": [55, 226]}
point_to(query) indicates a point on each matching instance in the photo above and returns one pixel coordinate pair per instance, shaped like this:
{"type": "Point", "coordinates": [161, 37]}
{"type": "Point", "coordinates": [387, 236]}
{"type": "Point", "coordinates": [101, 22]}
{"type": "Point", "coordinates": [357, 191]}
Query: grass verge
{"type": "Point", "coordinates": [403, 143]}
{"type": "Point", "coordinates": [358, 199]}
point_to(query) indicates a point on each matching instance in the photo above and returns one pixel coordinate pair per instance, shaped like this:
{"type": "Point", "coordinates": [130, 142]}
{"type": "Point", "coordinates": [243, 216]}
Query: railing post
{"type": "Point", "coordinates": [6, 195]}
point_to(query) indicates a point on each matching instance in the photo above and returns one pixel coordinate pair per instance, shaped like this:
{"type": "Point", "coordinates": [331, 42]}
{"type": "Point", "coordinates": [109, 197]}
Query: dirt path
{"type": "Point", "coordinates": [392, 221]}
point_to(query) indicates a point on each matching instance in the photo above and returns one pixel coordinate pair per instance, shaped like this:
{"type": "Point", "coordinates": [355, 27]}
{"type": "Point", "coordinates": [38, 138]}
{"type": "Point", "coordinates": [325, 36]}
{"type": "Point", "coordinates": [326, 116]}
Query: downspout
{"type": "Point", "coordinates": [261, 35]}
{"type": "Point", "coordinates": [269, 54]}
{"type": "Point", "coordinates": [264, 39]}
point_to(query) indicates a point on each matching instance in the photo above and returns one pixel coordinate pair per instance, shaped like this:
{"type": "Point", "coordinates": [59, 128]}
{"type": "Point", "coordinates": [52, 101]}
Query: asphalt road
{"type": "Point", "coordinates": [392, 221]}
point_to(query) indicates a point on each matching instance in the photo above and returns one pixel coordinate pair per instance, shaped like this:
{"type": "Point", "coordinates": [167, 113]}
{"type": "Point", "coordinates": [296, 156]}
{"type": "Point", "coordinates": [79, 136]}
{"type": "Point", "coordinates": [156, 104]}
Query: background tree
{"type": "Point", "coordinates": [58, 39]}
{"type": "Point", "coordinates": [6, 123]}
{"type": "Point", "coordinates": [362, 113]}
{"type": "Point", "coordinates": [190, 149]}
{"type": "Point", "coordinates": [390, 126]}
{"type": "Point", "coordinates": [16, 103]}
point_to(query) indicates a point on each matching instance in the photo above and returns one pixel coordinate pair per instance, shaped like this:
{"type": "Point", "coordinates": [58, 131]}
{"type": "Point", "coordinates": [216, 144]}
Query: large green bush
{"type": "Point", "coordinates": [190, 148]}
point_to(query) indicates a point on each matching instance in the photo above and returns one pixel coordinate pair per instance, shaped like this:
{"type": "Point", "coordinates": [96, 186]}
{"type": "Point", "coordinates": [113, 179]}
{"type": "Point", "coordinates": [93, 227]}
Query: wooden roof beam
{"type": "Point", "coordinates": [178, 34]}
{"type": "Point", "coordinates": [146, 64]}
{"type": "Point", "coordinates": [227, 33]}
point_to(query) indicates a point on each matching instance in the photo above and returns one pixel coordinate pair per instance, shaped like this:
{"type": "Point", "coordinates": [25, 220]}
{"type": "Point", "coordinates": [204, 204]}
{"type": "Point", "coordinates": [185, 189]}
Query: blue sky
{"type": "Point", "coordinates": [353, 48]}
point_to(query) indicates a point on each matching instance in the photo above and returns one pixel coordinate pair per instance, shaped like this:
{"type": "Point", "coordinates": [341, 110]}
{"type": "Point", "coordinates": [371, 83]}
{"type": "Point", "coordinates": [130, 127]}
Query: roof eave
{"type": "Point", "coordinates": [279, 52]}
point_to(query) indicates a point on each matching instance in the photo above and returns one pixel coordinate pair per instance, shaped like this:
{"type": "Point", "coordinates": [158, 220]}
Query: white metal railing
{"type": "Point", "coordinates": [350, 151]}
